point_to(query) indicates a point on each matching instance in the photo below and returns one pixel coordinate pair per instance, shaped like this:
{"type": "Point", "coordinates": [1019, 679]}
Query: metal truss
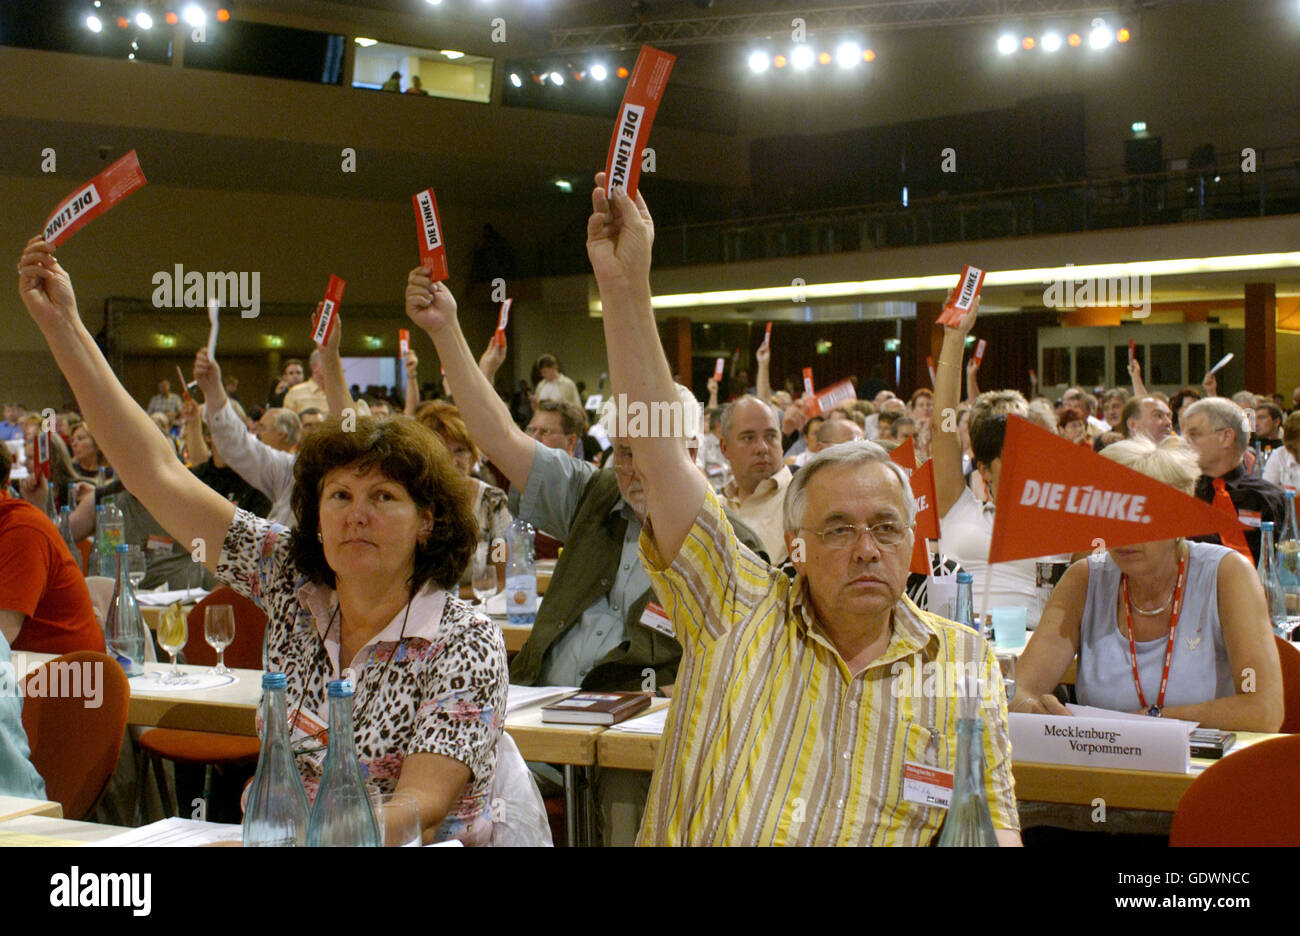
{"type": "Point", "coordinates": [878, 15]}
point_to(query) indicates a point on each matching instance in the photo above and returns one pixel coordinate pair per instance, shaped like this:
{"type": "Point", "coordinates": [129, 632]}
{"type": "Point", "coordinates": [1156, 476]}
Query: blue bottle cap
{"type": "Point", "coordinates": [1266, 525]}
{"type": "Point", "coordinates": [123, 548]}
{"type": "Point", "coordinates": [339, 688]}
{"type": "Point", "coordinates": [965, 578]}
{"type": "Point", "coordinates": [274, 681]}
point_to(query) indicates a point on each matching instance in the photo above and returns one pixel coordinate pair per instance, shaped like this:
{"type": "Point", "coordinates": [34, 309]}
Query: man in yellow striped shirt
{"type": "Point", "coordinates": [797, 704]}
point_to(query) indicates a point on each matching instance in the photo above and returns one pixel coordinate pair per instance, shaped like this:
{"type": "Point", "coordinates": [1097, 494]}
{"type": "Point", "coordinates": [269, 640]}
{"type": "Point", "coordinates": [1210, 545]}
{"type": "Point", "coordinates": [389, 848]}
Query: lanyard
{"type": "Point", "coordinates": [1169, 650]}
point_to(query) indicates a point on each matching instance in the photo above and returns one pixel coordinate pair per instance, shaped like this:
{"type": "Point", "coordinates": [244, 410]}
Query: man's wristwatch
{"type": "Point", "coordinates": [1154, 711]}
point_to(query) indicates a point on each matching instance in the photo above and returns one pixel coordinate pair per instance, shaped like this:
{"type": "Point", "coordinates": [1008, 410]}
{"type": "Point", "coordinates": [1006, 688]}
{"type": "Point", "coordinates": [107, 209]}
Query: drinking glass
{"type": "Point", "coordinates": [398, 815]}
{"type": "Point", "coordinates": [483, 581]}
{"type": "Point", "coordinates": [173, 633]}
{"type": "Point", "coordinates": [219, 632]}
{"type": "Point", "coordinates": [136, 566]}
{"type": "Point", "coordinates": [1007, 664]}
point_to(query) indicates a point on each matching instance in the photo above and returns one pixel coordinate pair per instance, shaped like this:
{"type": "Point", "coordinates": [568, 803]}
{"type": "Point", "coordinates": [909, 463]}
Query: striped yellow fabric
{"type": "Point", "coordinates": [770, 741]}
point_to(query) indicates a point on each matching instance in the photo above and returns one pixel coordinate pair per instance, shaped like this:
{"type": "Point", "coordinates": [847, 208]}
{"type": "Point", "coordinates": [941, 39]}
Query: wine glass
{"type": "Point", "coordinates": [1007, 664]}
{"type": "Point", "coordinates": [173, 633]}
{"type": "Point", "coordinates": [219, 632]}
{"type": "Point", "coordinates": [136, 566]}
{"type": "Point", "coordinates": [484, 583]}
{"type": "Point", "coordinates": [398, 815]}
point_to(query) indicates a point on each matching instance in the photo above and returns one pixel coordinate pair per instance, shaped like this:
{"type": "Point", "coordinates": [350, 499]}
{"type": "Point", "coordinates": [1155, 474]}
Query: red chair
{"type": "Point", "coordinates": [1288, 655]}
{"type": "Point", "coordinates": [1243, 799]}
{"type": "Point", "coordinates": [208, 749]}
{"type": "Point", "coordinates": [74, 747]}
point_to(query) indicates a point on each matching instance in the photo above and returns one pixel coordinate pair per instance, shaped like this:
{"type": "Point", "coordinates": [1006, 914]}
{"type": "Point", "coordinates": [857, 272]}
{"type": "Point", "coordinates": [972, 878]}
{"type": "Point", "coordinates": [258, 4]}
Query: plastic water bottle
{"type": "Point", "coordinates": [1268, 577]}
{"type": "Point", "coordinates": [278, 811]}
{"type": "Point", "coordinates": [97, 564]}
{"type": "Point", "coordinates": [342, 814]}
{"type": "Point", "coordinates": [969, 822]}
{"type": "Point", "coordinates": [114, 526]}
{"type": "Point", "coordinates": [123, 626]}
{"type": "Point", "coordinates": [1288, 556]}
{"type": "Point", "coordinates": [521, 575]}
{"type": "Point", "coordinates": [65, 531]}
{"type": "Point", "coordinates": [964, 612]}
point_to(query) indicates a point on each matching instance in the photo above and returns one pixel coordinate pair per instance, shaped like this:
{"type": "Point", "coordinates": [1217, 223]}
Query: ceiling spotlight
{"type": "Point", "coordinates": [557, 78]}
{"type": "Point", "coordinates": [433, 2]}
{"type": "Point", "coordinates": [802, 57]}
{"type": "Point", "coordinates": [622, 72]}
{"type": "Point", "coordinates": [194, 15]}
{"type": "Point", "coordinates": [779, 61]}
{"type": "Point", "coordinates": [453, 54]}
{"type": "Point", "coordinates": [223, 15]}
{"type": "Point", "coordinates": [93, 23]}
{"type": "Point", "coordinates": [131, 56]}
{"type": "Point", "coordinates": [1075, 40]}
{"type": "Point", "coordinates": [759, 61]}
{"type": "Point", "coordinates": [364, 42]}
{"type": "Point", "coordinates": [516, 80]}
{"type": "Point", "coordinates": [171, 19]}
{"type": "Point", "coordinates": [599, 73]}
{"type": "Point", "coordinates": [824, 58]}
{"type": "Point", "coordinates": [869, 55]}
{"type": "Point", "coordinates": [1100, 36]}
{"type": "Point", "coordinates": [1027, 43]}
{"type": "Point", "coordinates": [848, 55]}
{"type": "Point", "coordinates": [564, 185]}
{"type": "Point", "coordinates": [1051, 42]}
{"type": "Point", "coordinates": [144, 20]}
{"type": "Point", "coordinates": [542, 78]}
{"type": "Point", "coordinates": [1007, 43]}
{"type": "Point", "coordinates": [1123, 35]}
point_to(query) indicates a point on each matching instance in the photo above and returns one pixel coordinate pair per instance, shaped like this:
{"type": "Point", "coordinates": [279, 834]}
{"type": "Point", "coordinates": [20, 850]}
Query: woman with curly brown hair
{"type": "Point", "coordinates": [385, 529]}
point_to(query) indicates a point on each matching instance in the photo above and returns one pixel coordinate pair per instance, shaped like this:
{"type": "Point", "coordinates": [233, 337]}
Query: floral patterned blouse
{"type": "Point", "coordinates": [433, 681]}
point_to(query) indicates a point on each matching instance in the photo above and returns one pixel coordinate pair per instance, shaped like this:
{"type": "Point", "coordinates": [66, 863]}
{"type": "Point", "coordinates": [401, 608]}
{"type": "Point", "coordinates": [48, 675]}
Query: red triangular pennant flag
{"type": "Point", "coordinates": [1058, 497]}
{"type": "Point", "coordinates": [927, 514]}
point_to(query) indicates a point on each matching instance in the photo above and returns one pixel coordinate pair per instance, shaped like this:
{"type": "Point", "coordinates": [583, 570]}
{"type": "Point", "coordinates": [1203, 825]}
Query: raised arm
{"type": "Point", "coordinates": [195, 448]}
{"type": "Point", "coordinates": [335, 385]}
{"type": "Point", "coordinates": [619, 238]}
{"type": "Point", "coordinates": [713, 394]}
{"type": "Point", "coordinates": [972, 380]}
{"type": "Point", "coordinates": [432, 307]}
{"type": "Point", "coordinates": [946, 446]}
{"type": "Point", "coordinates": [763, 384]}
{"type": "Point", "coordinates": [1135, 375]}
{"type": "Point", "coordinates": [252, 459]}
{"type": "Point", "coordinates": [412, 363]}
{"type": "Point", "coordinates": [145, 461]}
{"type": "Point", "coordinates": [490, 361]}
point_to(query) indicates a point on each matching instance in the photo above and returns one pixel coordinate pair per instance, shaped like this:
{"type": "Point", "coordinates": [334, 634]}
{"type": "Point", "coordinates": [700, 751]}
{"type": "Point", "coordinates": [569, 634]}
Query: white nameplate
{"type": "Point", "coordinates": [1127, 743]}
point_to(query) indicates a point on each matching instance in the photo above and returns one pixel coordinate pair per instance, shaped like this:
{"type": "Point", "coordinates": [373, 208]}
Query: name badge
{"type": "Point", "coordinates": [1250, 518]}
{"type": "Point", "coordinates": [654, 618]}
{"type": "Point", "coordinates": [927, 785]}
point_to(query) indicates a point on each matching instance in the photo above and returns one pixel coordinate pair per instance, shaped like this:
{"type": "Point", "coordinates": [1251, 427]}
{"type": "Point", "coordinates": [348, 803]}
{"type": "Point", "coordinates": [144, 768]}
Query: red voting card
{"type": "Point", "coordinates": [767, 336]}
{"type": "Point", "coordinates": [635, 115]}
{"type": "Point", "coordinates": [927, 511]}
{"type": "Point", "coordinates": [43, 469]}
{"type": "Point", "coordinates": [499, 336]}
{"type": "Point", "coordinates": [972, 279]}
{"type": "Point", "coordinates": [1050, 484]}
{"type": "Point", "coordinates": [93, 199]}
{"type": "Point", "coordinates": [808, 381]}
{"type": "Point", "coordinates": [433, 252]}
{"type": "Point", "coordinates": [718, 367]}
{"type": "Point", "coordinates": [929, 364]}
{"type": "Point", "coordinates": [831, 397]}
{"type": "Point", "coordinates": [403, 343]}
{"type": "Point", "coordinates": [328, 320]}
{"type": "Point", "coordinates": [1132, 349]}
{"type": "Point", "coordinates": [979, 351]}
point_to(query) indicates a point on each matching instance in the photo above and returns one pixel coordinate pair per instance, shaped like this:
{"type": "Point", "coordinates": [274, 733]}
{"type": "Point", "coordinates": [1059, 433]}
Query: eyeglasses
{"type": "Point", "coordinates": [538, 432]}
{"type": "Point", "coordinates": [887, 534]}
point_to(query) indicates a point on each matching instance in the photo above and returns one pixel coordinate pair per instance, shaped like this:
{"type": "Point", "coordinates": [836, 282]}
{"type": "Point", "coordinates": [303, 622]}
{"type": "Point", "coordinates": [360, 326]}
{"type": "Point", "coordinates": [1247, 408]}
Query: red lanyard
{"type": "Point", "coordinates": [1169, 650]}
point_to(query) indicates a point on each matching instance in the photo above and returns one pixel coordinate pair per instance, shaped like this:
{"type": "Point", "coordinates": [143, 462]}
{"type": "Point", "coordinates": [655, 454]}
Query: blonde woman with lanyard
{"type": "Point", "coordinates": [1170, 628]}
{"type": "Point", "coordinates": [385, 527]}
